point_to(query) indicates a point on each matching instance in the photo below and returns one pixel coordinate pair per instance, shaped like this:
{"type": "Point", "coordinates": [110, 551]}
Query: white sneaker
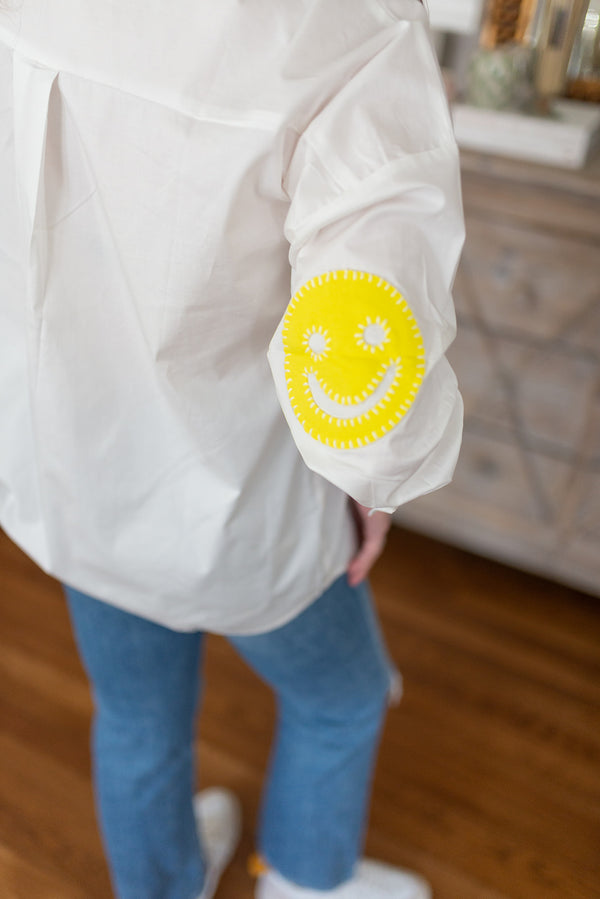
{"type": "Point", "coordinates": [372, 880]}
{"type": "Point", "coordinates": [219, 820]}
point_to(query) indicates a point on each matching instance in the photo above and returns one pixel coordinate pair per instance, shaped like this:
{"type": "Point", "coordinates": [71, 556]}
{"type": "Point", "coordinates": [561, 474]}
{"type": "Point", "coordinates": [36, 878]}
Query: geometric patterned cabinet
{"type": "Point", "coordinates": [527, 355]}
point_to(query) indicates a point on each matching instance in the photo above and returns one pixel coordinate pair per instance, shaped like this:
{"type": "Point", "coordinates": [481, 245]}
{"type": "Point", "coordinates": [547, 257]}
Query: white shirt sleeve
{"type": "Point", "coordinates": [375, 230]}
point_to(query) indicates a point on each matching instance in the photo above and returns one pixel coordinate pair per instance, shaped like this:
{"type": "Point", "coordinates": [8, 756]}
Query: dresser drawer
{"type": "Point", "coordinates": [526, 282]}
{"type": "Point", "coordinates": [544, 393]}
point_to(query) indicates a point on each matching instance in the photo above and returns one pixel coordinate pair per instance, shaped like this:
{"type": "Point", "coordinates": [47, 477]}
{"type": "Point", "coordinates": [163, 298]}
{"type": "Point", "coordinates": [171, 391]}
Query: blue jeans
{"type": "Point", "coordinates": [331, 675]}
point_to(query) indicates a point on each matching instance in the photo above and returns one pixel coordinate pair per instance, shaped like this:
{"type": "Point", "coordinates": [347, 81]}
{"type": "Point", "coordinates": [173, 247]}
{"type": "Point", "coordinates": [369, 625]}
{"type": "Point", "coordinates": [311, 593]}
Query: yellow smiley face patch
{"type": "Point", "coordinates": [354, 358]}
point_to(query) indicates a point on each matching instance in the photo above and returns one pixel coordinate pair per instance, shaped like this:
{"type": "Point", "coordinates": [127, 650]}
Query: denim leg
{"type": "Point", "coordinates": [331, 674]}
{"type": "Point", "coordinates": [145, 682]}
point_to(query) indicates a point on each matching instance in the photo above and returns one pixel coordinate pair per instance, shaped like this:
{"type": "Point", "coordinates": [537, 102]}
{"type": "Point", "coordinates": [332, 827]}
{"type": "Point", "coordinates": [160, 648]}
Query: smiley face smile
{"type": "Point", "coordinates": [356, 410]}
{"type": "Point", "coordinates": [354, 358]}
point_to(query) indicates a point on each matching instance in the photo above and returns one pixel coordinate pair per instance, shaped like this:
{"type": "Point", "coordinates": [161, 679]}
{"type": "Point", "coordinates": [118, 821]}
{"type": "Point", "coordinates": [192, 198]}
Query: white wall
{"type": "Point", "coordinates": [462, 16]}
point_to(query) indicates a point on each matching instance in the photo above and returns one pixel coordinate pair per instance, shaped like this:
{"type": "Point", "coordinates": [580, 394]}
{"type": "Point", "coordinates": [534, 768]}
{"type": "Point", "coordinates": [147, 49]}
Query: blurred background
{"type": "Point", "coordinates": [524, 80]}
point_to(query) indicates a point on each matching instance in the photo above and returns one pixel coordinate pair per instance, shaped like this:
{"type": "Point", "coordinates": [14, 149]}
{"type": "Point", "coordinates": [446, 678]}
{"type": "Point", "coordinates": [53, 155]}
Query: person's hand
{"type": "Point", "coordinates": [372, 531]}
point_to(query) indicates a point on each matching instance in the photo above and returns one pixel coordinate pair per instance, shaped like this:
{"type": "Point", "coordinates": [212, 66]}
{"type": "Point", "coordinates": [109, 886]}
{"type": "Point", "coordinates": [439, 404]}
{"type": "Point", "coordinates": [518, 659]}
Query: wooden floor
{"type": "Point", "coordinates": [489, 774]}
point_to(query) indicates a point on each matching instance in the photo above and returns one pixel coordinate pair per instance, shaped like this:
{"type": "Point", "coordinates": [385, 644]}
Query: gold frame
{"type": "Point", "coordinates": [507, 21]}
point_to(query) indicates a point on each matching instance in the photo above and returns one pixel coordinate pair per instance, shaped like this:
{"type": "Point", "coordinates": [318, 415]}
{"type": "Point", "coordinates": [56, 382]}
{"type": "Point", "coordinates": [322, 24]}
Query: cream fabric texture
{"type": "Point", "coordinates": [169, 176]}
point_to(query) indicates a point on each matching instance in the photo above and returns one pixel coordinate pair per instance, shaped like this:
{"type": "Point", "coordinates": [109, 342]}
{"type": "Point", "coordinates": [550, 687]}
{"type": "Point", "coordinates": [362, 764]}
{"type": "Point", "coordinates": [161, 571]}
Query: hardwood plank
{"type": "Point", "coordinates": [47, 818]}
{"type": "Point", "coordinates": [488, 778]}
{"type": "Point", "coordinates": [22, 880]}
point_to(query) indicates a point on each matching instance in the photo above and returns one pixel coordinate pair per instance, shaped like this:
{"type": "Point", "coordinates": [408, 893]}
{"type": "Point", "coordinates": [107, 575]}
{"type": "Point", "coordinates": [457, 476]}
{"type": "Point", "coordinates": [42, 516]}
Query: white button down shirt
{"type": "Point", "coordinates": [170, 175]}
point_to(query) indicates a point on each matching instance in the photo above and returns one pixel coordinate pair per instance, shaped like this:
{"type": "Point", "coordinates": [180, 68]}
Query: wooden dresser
{"type": "Point", "coordinates": [527, 485]}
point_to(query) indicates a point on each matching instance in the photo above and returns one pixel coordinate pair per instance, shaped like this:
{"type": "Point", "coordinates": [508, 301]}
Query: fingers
{"type": "Point", "coordinates": [363, 561]}
{"type": "Point", "coordinates": [373, 530]}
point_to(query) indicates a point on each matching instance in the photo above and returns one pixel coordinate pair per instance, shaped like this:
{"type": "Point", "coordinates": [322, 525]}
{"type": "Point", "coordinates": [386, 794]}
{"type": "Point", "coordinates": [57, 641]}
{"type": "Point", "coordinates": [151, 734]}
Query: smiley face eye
{"type": "Point", "coordinates": [316, 342]}
{"type": "Point", "coordinates": [373, 335]}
